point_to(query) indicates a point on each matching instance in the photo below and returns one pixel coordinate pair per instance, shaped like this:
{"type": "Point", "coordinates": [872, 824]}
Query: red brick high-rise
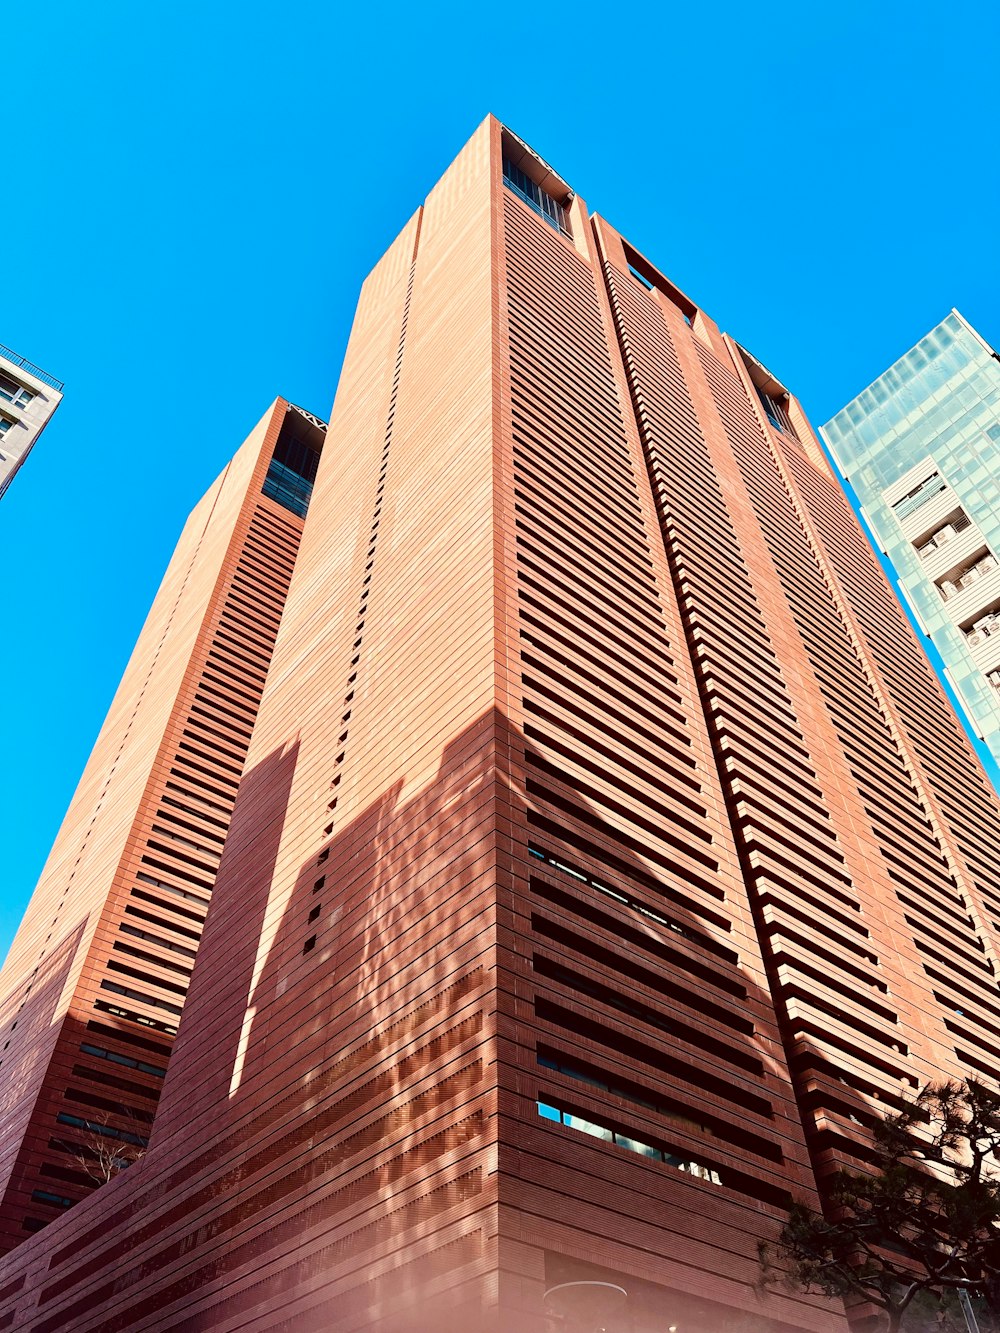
{"type": "Point", "coordinates": [92, 990]}
{"type": "Point", "coordinates": [606, 855]}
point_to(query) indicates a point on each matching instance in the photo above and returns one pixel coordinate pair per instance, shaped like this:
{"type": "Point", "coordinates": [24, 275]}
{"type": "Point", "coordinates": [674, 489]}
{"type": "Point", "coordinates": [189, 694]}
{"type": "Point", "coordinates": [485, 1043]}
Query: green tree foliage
{"type": "Point", "coordinates": [920, 1226]}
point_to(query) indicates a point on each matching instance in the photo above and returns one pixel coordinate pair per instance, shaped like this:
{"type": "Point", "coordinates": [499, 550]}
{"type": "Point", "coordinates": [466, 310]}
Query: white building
{"type": "Point", "coordinates": [921, 447]}
{"type": "Point", "coordinates": [28, 397]}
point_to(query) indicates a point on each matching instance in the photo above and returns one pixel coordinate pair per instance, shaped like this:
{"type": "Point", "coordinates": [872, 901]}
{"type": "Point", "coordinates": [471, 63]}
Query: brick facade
{"type": "Point", "coordinates": [605, 857]}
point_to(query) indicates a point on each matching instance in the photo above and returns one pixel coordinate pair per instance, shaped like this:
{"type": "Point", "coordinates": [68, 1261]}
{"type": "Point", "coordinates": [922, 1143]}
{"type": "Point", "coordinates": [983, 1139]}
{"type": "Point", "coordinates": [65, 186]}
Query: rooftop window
{"type": "Point", "coordinates": [534, 196]}
{"type": "Point", "coordinates": [649, 277]}
{"type": "Point", "coordinates": [776, 410]}
{"type": "Point", "coordinates": [774, 398]}
{"type": "Point", "coordinates": [291, 474]}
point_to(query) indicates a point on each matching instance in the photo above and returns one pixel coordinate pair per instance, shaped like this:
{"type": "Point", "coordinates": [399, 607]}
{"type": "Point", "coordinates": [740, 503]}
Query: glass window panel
{"type": "Point", "coordinates": [587, 1127]}
{"type": "Point", "coordinates": [637, 1146]}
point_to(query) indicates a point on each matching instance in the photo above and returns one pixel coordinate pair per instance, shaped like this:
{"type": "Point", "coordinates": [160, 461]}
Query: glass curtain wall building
{"type": "Point", "coordinates": [921, 447]}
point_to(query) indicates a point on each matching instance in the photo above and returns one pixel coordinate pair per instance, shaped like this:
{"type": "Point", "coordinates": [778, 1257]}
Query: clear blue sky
{"type": "Point", "coordinates": [193, 193]}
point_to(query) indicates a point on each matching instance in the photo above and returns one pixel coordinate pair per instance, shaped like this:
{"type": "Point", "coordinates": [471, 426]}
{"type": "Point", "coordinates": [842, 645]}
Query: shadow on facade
{"type": "Point", "coordinates": [37, 1030]}
{"type": "Point", "coordinates": [210, 1045]}
{"type": "Point", "coordinates": [345, 1177]}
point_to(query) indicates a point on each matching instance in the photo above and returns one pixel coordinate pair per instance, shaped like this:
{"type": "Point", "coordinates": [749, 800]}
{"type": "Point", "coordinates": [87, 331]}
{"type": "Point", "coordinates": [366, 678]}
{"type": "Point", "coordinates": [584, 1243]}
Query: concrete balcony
{"type": "Point", "coordinates": [961, 607]}
{"type": "Point", "coordinates": [929, 515]}
{"type": "Point", "coordinates": [958, 548]}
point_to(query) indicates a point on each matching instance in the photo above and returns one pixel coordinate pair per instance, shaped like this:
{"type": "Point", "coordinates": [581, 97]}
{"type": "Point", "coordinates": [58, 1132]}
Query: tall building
{"type": "Point", "coordinates": [28, 397]}
{"type": "Point", "coordinates": [95, 981]}
{"type": "Point", "coordinates": [921, 447]}
{"type": "Point", "coordinates": [607, 857]}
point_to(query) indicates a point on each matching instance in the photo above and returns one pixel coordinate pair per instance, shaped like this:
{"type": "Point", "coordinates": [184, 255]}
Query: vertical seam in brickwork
{"type": "Point", "coordinates": [688, 630]}
{"type": "Point", "coordinates": [363, 607]}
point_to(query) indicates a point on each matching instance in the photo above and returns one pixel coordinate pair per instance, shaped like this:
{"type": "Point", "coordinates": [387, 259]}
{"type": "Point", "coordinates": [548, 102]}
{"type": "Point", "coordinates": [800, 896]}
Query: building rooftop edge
{"type": "Point", "coordinates": [22, 363]}
{"type": "Point", "coordinates": [903, 355]}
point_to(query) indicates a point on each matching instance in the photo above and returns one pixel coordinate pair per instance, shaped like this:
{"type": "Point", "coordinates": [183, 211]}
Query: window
{"type": "Point", "coordinates": [125, 1060]}
{"type": "Point", "coordinates": [654, 281]}
{"type": "Point", "coordinates": [534, 196]}
{"type": "Point", "coordinates": [771, 393]}
{"type": "Point", "coordinates": [5, 425]}
{"type": "Point", "coordinates": [291, 475]}
{"type": "Point", "coordinates": [56, 1200]}
{"type": "Point", "coordinates": [629, 1092]}
{"type": "Point", "coordinates": [105, 1131]}
{"type": "Point", "coordinates": [776, 411]}
{"type": "Point", "coordinates": [540, 855]}
{"type": "Point", "coordinates": [598, 1131]}
{"type": "Point", "coordinates": [13, 392]}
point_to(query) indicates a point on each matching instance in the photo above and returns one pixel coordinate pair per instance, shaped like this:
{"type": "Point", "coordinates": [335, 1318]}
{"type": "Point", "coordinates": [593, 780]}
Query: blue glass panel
{"type": "Point", "coordinates": [287, 488]}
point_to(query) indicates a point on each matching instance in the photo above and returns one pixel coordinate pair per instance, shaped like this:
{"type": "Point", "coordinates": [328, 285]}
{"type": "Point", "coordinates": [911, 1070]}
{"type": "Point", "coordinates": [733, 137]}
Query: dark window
{"type": "Point", "coordinates": [56, 1200]}
{"type": "Point", "coordinates": [105, 1131]}
{"type": "Point", "coordinates": [776, 410]}
{"type": "Point", "coordinates": [13, 392]}
{"type": "Point", "coordinates": [291, 475]}
{"type": "Point", "coordinates": [100, 1053]}
{"type": "Point", "coordinates": [535, 197]}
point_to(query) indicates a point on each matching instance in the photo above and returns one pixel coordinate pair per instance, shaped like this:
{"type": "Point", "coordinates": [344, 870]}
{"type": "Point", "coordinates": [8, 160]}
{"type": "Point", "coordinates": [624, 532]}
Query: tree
{"type": "Point", "coordinates": [103, 1150]}
{"type": "Point", "coordinates": [923, 1222]}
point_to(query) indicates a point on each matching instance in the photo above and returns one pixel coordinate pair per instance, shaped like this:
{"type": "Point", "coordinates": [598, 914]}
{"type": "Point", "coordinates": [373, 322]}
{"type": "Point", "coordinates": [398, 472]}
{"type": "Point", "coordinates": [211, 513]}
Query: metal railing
{"type": "Point", "coordinates": [919, 496]}
{"type": "Point", "coordinates": [31, 368]}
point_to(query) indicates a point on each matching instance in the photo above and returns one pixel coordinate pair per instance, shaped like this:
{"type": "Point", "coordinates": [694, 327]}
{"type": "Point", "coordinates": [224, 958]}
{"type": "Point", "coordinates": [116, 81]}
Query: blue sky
{"type": "Point", "coordinates": [193, 193]}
